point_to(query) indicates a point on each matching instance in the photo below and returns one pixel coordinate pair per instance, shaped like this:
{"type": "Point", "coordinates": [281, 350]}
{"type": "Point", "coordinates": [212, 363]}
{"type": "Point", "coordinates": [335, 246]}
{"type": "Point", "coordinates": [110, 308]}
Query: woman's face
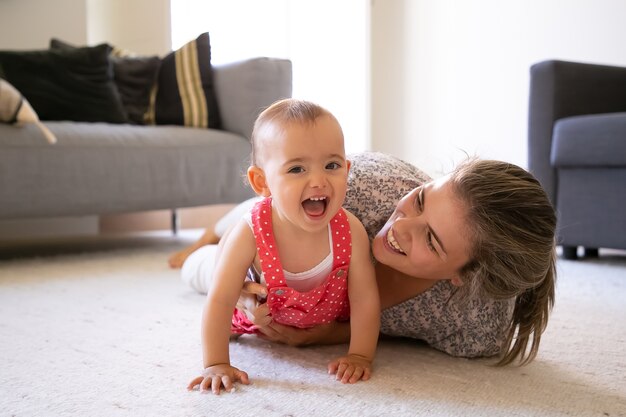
{"type": "Point", "coordinates": [426, 236]}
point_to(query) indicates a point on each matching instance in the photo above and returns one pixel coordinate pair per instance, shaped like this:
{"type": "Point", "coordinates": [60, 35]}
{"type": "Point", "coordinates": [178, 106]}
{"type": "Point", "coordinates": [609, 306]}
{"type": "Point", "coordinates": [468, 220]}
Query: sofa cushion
{"type": "Point", "coordinates": [185, 91]}
{"type": "Point", "coordinates": [133, 75]}
{"type": "Point", "coordinates": [66, 84]}
{"type": "Point", "coordinates": [597, 140]}
{"type": "Point", "coordinates": [240, 86]}
{"type": "Point", "coordinates": [102, 168]}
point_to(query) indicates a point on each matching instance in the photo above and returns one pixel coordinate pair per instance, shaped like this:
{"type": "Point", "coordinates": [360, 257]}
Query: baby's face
{"type": "Point", "coordinates": [306, 170]}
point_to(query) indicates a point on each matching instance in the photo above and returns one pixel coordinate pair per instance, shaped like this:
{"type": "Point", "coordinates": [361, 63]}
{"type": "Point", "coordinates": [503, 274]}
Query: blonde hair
{"type": "Point", "coordinates": [511, 224]}
{"type": "Point", "coordinates": [282, 113]}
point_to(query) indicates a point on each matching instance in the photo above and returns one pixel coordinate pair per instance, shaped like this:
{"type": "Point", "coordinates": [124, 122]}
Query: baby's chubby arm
{"type": "Point", "coordinates": [237, 252]}
{"type": "Point", "coordinates": [364, 311]}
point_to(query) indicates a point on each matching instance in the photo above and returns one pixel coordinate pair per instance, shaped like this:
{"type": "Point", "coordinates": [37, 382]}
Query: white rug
{"type": "Point", "coordinates": [115, 333]}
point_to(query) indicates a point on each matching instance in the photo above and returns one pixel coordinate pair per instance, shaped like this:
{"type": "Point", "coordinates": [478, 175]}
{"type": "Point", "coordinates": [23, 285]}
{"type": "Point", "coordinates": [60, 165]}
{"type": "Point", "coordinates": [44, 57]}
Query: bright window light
{"type": "Point", "coordinates": [326, 40]}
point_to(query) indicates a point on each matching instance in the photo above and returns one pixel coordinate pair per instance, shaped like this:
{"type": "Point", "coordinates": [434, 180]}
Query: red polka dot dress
{"type": "Point", "coordinates": [322, 304]}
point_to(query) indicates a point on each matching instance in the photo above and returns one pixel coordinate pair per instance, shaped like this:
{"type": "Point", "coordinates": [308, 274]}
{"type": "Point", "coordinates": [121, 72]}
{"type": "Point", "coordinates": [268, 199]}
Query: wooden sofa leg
{"type": "Point", "coordinates": [591, 252]}
{"type": "Point", "coordinates": [570, 252]}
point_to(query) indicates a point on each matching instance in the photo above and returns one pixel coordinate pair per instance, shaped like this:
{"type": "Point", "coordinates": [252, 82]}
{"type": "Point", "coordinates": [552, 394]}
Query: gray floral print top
{"type": "Point", "coordinates": [459, 327]}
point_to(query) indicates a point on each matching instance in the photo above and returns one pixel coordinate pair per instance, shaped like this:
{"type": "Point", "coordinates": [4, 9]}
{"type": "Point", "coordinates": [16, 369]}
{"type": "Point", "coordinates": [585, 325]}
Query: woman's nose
{"type": "Point", "coordinates": [407, 224]}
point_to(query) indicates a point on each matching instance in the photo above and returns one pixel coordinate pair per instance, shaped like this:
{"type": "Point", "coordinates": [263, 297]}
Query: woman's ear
{"type": "Point", "coordinates": [256, 178]}
{"type": "Point", "coordinates": [456, 281]}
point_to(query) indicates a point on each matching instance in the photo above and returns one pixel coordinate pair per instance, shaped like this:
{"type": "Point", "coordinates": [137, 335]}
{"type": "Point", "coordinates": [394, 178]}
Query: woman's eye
{"type": "Point", "coordinates": [419, 203]}
{"type": "Point", "coordinates": [429, 242]}
{"type": "Point", "coordinates": [295, 170]}
{"type": "Point", "coordinates": [333, 165]}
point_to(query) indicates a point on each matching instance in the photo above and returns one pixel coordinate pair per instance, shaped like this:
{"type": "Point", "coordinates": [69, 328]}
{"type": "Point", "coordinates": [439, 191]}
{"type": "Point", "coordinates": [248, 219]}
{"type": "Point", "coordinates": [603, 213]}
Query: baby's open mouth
{"type": "Point", "coordinates": [315, 206]}
{"type": "Point", "coordinates": [393, 243]}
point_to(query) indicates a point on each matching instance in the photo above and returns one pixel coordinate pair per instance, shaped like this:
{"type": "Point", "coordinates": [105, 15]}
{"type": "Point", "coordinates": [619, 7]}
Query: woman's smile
{"type": "Point", "coordinates": [393, 243]}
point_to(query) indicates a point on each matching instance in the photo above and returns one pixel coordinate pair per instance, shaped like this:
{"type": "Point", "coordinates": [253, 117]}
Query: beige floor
{"type": "Point", "coordinates": [115, 332]}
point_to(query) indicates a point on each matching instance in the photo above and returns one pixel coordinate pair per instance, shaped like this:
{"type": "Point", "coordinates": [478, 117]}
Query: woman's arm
{"type": "Point", "coordinates": [325, 334]}
{"type": "Point", "coordinates": [333, 333]}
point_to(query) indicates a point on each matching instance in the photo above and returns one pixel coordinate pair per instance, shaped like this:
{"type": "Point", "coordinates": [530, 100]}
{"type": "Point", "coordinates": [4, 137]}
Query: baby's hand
{"type": "Point", "coordinates": [351, 368]}
{"type": "Point", "coordinates": [218, 376]}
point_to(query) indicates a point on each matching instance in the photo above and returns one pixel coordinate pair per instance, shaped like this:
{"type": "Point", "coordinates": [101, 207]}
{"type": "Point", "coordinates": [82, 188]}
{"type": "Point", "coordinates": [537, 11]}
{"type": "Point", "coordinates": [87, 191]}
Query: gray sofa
{"type": "Point", "coordinates": [577, 150]}
{"type": "Point", "coordinates": [100, 168]}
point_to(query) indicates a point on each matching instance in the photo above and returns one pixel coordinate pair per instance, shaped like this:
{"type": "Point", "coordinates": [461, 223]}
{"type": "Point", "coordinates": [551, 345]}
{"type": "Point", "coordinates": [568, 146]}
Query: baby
{"type": "Point", "coordinates": [312, 254]}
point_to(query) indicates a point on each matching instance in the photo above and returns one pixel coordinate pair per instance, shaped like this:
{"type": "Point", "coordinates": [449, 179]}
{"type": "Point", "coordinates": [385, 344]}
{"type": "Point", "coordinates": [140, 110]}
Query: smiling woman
{"type": "Point", "coordinates": [465, 263]}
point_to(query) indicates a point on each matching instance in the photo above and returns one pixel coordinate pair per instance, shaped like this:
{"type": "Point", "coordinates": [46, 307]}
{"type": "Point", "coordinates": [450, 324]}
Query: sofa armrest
{"type": "Point", "coordinates": [245, 88]}
{"type": "Point", "coordinates": [560, 89]}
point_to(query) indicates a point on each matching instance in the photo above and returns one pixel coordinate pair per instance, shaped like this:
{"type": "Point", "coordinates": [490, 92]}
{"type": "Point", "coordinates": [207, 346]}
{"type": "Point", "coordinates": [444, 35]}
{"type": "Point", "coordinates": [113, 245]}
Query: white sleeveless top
{"type": "Point", "coordinates": [306, 280]}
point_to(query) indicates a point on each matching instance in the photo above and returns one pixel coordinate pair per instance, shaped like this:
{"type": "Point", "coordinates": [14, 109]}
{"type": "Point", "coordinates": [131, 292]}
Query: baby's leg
{"type": "Point", "coordinates": [197, 270]}
{"type": "Point", "coordinates": [177, 259]}
{"type": "Point", "coordinates": [234, 216]}
{"type": "Point", "coordinates": [213, 235]}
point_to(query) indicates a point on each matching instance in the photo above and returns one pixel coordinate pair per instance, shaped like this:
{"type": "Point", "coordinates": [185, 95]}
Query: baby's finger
{"type": "Point", "coordinates": [242, 377]}
{"type": "Point", "coordinates": [332, 367]}
{"type": "Point", "coordinates": [347, 374]}
{"type": "Point", "coordinates": [341, 370]}
{"type": "Point", "coordinates": [358, 373]}
{"type": "Point", "coordinates": [194, 382]}
{"type": "Point", "coordinates": [228, 384]}
{"type": "Point", "coordinates": [206, 382]}
{"type": "Point", "coordinates": [216, 383]}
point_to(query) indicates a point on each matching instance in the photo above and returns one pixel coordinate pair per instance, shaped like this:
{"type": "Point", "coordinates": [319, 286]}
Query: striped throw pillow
{"type": "Point", "coordinates": [185, 94]}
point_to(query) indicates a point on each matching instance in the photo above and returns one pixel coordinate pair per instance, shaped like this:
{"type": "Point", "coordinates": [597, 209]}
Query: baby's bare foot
{"type": "Point", "coordinates": [177, 259]}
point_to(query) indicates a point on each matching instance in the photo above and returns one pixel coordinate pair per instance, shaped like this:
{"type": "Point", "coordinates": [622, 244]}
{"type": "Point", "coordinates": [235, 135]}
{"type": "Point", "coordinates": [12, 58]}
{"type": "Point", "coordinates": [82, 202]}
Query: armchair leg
{"type": "Point", "coordinates": [591, 252]}
{"type": "Point", "coordinates": [570, 252]}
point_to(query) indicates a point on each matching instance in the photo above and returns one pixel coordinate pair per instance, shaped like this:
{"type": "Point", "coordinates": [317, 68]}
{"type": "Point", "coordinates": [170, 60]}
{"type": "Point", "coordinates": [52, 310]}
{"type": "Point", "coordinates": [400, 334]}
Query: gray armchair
{"type": "Point", "coordinates": [577, 150]}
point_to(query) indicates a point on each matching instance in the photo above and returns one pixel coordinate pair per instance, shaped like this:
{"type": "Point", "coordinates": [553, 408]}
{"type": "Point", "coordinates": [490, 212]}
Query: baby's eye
{"type": "Point", "coordinates": [295, 170]}
{"type": "Point", "coordinates": [333, 165]}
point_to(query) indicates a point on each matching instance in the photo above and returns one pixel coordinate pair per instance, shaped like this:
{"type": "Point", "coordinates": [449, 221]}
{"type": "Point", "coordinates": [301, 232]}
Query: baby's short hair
{"type": "Point", "coordinates": [282, 113]}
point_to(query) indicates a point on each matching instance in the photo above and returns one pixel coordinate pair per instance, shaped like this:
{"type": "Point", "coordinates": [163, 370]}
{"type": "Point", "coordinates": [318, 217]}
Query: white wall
{"type": "Point", "coordinates": [463, 79]}
{"type": "Point", "coordinates": [141, 26]}
{"type": "Point", "coordinates": [29, 24]}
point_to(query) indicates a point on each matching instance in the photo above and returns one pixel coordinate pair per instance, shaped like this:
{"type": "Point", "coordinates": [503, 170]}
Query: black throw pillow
{"type": "Point", "coordinates": [185, 91]}
{"type": "Point", "coordinates": [134, 77]}
{"type": "Point", "coordinates": [72, 85]}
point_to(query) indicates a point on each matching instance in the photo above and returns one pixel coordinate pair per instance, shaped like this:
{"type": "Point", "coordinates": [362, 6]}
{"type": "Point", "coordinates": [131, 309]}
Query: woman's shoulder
{"type": "Point", "coordinates": [384, 166]}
